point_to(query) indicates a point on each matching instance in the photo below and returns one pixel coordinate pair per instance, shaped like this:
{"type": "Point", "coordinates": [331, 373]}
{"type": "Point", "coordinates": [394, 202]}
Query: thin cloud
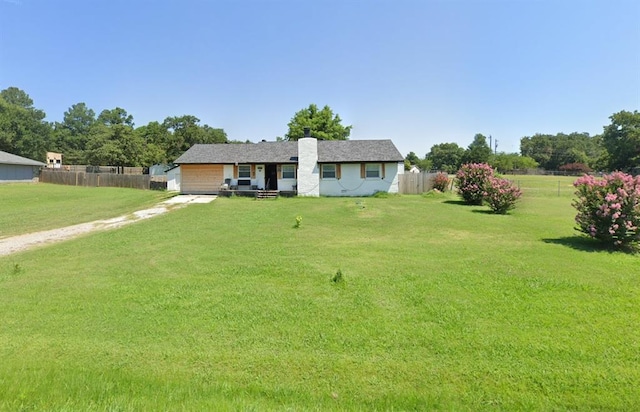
{"type": "Point", "coordinates": [17, 2]}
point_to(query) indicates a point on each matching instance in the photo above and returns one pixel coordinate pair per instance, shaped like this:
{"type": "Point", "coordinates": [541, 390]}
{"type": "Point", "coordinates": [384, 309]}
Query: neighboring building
{"type": "Point", "coordinates": [54, 160]}
{"type": "Point", "coordinates": [17, 168]}
{"type": "Point", "coordinates": [307, 167]}
{"type": "Point", "coordinates": [173, 178]}
{"type": "Point", "coordinates": [414, 169]}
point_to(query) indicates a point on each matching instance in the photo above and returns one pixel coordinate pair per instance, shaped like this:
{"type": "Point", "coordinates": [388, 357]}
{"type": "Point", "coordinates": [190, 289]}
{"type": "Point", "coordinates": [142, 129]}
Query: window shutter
{"type": "Point", "coordinates": [235, 171]}
{"type": "Point", "coordinates": [253, 171]}
{"type": "Point", "coordinates": [362, 174]}
{"type": "Point", "coordinates": [279, 171]}
{"type": "Point", "coordinates": [338, 171]}
{"type": "Point", "coordinates": [382, 171]}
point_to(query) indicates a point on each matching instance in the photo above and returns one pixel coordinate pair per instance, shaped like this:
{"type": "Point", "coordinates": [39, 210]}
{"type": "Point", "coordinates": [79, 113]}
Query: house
{"type": "Point", "coordinates": [307, 167]}
{"type": "Point", "coordinates": [54, 160]}
{"type": "Point", "coordinates": [15, 168]}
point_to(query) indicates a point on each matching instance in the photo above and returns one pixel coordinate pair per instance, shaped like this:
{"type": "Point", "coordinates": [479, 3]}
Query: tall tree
{"type": "Point", "coordinates": [478, 151]}
{"type": "Point", "coordinates": [621, 138]}
{"type": "Point", "coordinates": [323, 124]}
{"type": "Point", "coordinates": [186, 131]}
{"type": "Point", "coordinates": [23, 130]}
{"type": "Point", "coordinates": [446, 157]}
{"type": "Point", "coordinates": [70, 137]}
{"type": "Point", "coordinates": [113, 142]}
{"type": "Point", "coordinates": [553, 151]}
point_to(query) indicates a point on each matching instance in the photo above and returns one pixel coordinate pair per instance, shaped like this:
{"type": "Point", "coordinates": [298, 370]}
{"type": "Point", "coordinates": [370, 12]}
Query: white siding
{"type": "Point", "coordinates": [351, 184]}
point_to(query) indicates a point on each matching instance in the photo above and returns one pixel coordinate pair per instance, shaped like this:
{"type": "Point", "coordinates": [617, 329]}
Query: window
{"type": "Point", "coordinates": [372, 170]}
{"type": "Point", "coordinates": [328, 171]}
{"type": "Point", "coordinates": [244, 172]}
{"type": "Point", "coordinates": [288, 172]}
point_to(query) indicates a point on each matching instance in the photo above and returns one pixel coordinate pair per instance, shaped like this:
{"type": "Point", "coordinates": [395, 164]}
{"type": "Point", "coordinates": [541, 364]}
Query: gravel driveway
{"type": "Point", "coordinates": [19, 243]}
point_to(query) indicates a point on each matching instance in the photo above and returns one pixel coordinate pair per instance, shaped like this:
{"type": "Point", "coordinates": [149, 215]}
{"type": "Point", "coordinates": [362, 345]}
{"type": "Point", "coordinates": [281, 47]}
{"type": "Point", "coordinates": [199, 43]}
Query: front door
{"type": "Point", "coordinates": [271, 177]}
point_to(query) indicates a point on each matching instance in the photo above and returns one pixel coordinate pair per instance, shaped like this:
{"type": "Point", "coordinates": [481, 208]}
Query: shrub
{"type": "Point", "coordinates": [501, 195]}
{"type": "Point", "coordinates": [471, 180]}
{"type": "Point", "coordinates": [609, 208]}
{"type": "Point", "coordinates": [441, 182]}
{"type": "Point", "coordinates": [575, 168]}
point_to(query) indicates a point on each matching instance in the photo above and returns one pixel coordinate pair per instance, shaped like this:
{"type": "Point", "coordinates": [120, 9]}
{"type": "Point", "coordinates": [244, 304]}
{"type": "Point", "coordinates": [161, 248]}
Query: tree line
{"type": "Point", "coordinates": [109, 138]}
{"type": "Point", "coordinates": [617, 148]}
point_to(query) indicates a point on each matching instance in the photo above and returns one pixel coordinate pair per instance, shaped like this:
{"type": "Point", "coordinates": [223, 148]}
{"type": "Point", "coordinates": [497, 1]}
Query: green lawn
{"type": "Point", "coordinates": [226, 306]}
{"type": "Point", "coordinates": [26, 207]}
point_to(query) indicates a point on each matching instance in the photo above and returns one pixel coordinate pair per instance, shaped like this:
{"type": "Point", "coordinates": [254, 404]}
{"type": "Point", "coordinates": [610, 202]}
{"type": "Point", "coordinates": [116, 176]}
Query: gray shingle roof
{"type": "Point", "coordinates": [329, 151]}
{"type": "Point", "coordinates": [11, 159]}
{"type": "Point", "coordinates": [264, 152]}
{"type": "Point", "coordinates": [344, 151]}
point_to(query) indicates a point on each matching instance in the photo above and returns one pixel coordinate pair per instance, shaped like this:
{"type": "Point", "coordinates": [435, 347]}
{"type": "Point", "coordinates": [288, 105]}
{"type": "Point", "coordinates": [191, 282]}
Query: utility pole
{"type": "Point", "coordinates": [495, 149]}
{"type": "Point", "coordinates": [490, 142]}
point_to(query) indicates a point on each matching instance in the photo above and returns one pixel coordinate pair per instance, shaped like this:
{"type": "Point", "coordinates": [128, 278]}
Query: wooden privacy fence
{"type": "Point", "coordinates": [95, 179]}
{"type": "Point", "coordinates": [415, 183]}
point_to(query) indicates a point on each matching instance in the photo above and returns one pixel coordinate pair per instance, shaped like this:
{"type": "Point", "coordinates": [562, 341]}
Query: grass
{"type": "Point", "coordinates": [228, 306]}
{"type": "Point", "coordinates": [26, 208]}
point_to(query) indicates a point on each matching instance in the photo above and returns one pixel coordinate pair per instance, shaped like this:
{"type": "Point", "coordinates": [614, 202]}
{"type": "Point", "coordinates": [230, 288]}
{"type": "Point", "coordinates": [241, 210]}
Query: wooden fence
{"type": "Point", "coordinates": [95, 179]}
{"type": "Point", "coordinates": [415, 183]}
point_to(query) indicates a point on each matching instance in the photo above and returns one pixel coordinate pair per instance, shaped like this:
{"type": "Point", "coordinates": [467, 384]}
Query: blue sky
{"type": "Point", "coordinates": [417, 72]}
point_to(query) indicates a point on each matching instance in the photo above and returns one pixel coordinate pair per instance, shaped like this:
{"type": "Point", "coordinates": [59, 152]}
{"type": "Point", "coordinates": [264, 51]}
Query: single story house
{"type": "Point", "coordinates": [307, 167]}
{"type": "Point", "coordinates": [15, 168]}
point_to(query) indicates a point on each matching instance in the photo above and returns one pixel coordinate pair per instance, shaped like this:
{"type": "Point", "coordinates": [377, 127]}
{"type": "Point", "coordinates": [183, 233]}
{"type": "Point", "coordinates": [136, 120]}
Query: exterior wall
{"type": "Point", "coordinates": [351, 184]}
{"type": "Point", "coordinates": [17, 173]}
{"type": "Point", "coordinates": [201, 179]}
{"type": "Point", "coordinates": [54, 160]}
{"type": "Point", "coordinates": [173, 179]}
{"type": "Point", "coordinates": [308, 170]}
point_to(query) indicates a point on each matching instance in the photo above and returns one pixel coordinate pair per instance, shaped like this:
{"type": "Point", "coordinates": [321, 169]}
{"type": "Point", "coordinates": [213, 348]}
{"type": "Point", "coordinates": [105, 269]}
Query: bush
{"type": "Point", "coordinates": [575, 168]}
{"type": "Point", "coordinates": [609, 208]}
{"type": "Point", "coordinates": [501, 195]}
{"type": "Point", "coordinates": [441, 182]}
{"type": "Point", "coordinates": [471, 180]}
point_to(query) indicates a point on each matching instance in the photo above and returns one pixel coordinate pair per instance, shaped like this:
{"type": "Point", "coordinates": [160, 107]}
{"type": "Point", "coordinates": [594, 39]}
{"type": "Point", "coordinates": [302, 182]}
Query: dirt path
{"type": "Point", "coordinates": [19, 243]}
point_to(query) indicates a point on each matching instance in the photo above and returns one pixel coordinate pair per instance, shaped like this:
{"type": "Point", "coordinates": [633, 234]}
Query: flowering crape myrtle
{"type": "Point", "coordinates": [609, 208]}
{"type": "Point", "coordinates": [501, 195]}
{"type": "Point", "coordinates": [471, 180]}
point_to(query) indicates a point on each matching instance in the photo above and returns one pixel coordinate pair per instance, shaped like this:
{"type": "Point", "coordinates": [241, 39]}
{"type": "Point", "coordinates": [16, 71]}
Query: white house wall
{"type": "Point", "coordinates": [173, 179]}
{"type": "Point", "coordinates": [351, 184]}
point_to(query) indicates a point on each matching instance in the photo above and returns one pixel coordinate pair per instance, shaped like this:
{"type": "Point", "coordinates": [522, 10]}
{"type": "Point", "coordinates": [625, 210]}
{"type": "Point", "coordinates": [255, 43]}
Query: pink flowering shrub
{"type": "Point", "coordinates": [501, 195]}
{"type": "Point", "coordinates": [471, 181]}
{"type": "Point", "coordinates": [441, 182]}
{"type": "Point", "coordinates": [609, 208]}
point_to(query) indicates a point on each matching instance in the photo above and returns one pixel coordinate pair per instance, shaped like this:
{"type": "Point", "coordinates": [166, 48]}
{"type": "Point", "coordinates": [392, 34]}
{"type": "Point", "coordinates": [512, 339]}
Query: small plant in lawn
{"type": "Point", "coordinates": [338, 277]}
{"type": "Point", "coordinates": [298, 222]}
{"type": "Point", "coordinates": [471, 180]}
{"type": "Point", "coordinates": [609, 208]}
{"type": "Point", "coordinates": [501, 195]}
{"type": "Point", "coordinates": [441, 182]}
{"type": "Point", "coordinates": [17, 268]}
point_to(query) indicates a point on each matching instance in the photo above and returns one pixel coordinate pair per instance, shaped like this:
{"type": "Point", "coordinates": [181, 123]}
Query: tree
{"type": "Point", "coordinates": [113, 142]}
{"type": "Point", "coordinates": [70, 137]}
{"type": "Point", "coordinates": [622, 140]}
{"type": "Point", "coordinates": [23, 130]}
{"type": "Point", "coordinates": [478, 151]}
{"type": "Point", "coordinates": [553, 151]}
{"type": "Point", "coordinates": [185, 132]}
{"type": "Point", "coordinates": [323, 124]}
{"type": "Point", "coordinates": [506, 162]}
{"type": "Point", "coordinates": [446, 157]}
{"type": "Point", "coordinates": [155, 138]}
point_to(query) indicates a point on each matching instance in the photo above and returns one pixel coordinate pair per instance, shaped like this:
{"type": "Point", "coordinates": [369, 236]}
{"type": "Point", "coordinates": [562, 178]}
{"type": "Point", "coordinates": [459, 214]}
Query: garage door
{"type": "Point", "coordinates": [201, 178]}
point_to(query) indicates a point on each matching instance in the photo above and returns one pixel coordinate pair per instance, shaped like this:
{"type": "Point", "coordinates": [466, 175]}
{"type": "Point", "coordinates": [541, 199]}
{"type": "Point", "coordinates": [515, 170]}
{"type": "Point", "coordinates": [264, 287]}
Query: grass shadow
{"type": "Point", "coordinates": [456, 202]}
{"type": "Point", "coordinates": [581, 243]}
